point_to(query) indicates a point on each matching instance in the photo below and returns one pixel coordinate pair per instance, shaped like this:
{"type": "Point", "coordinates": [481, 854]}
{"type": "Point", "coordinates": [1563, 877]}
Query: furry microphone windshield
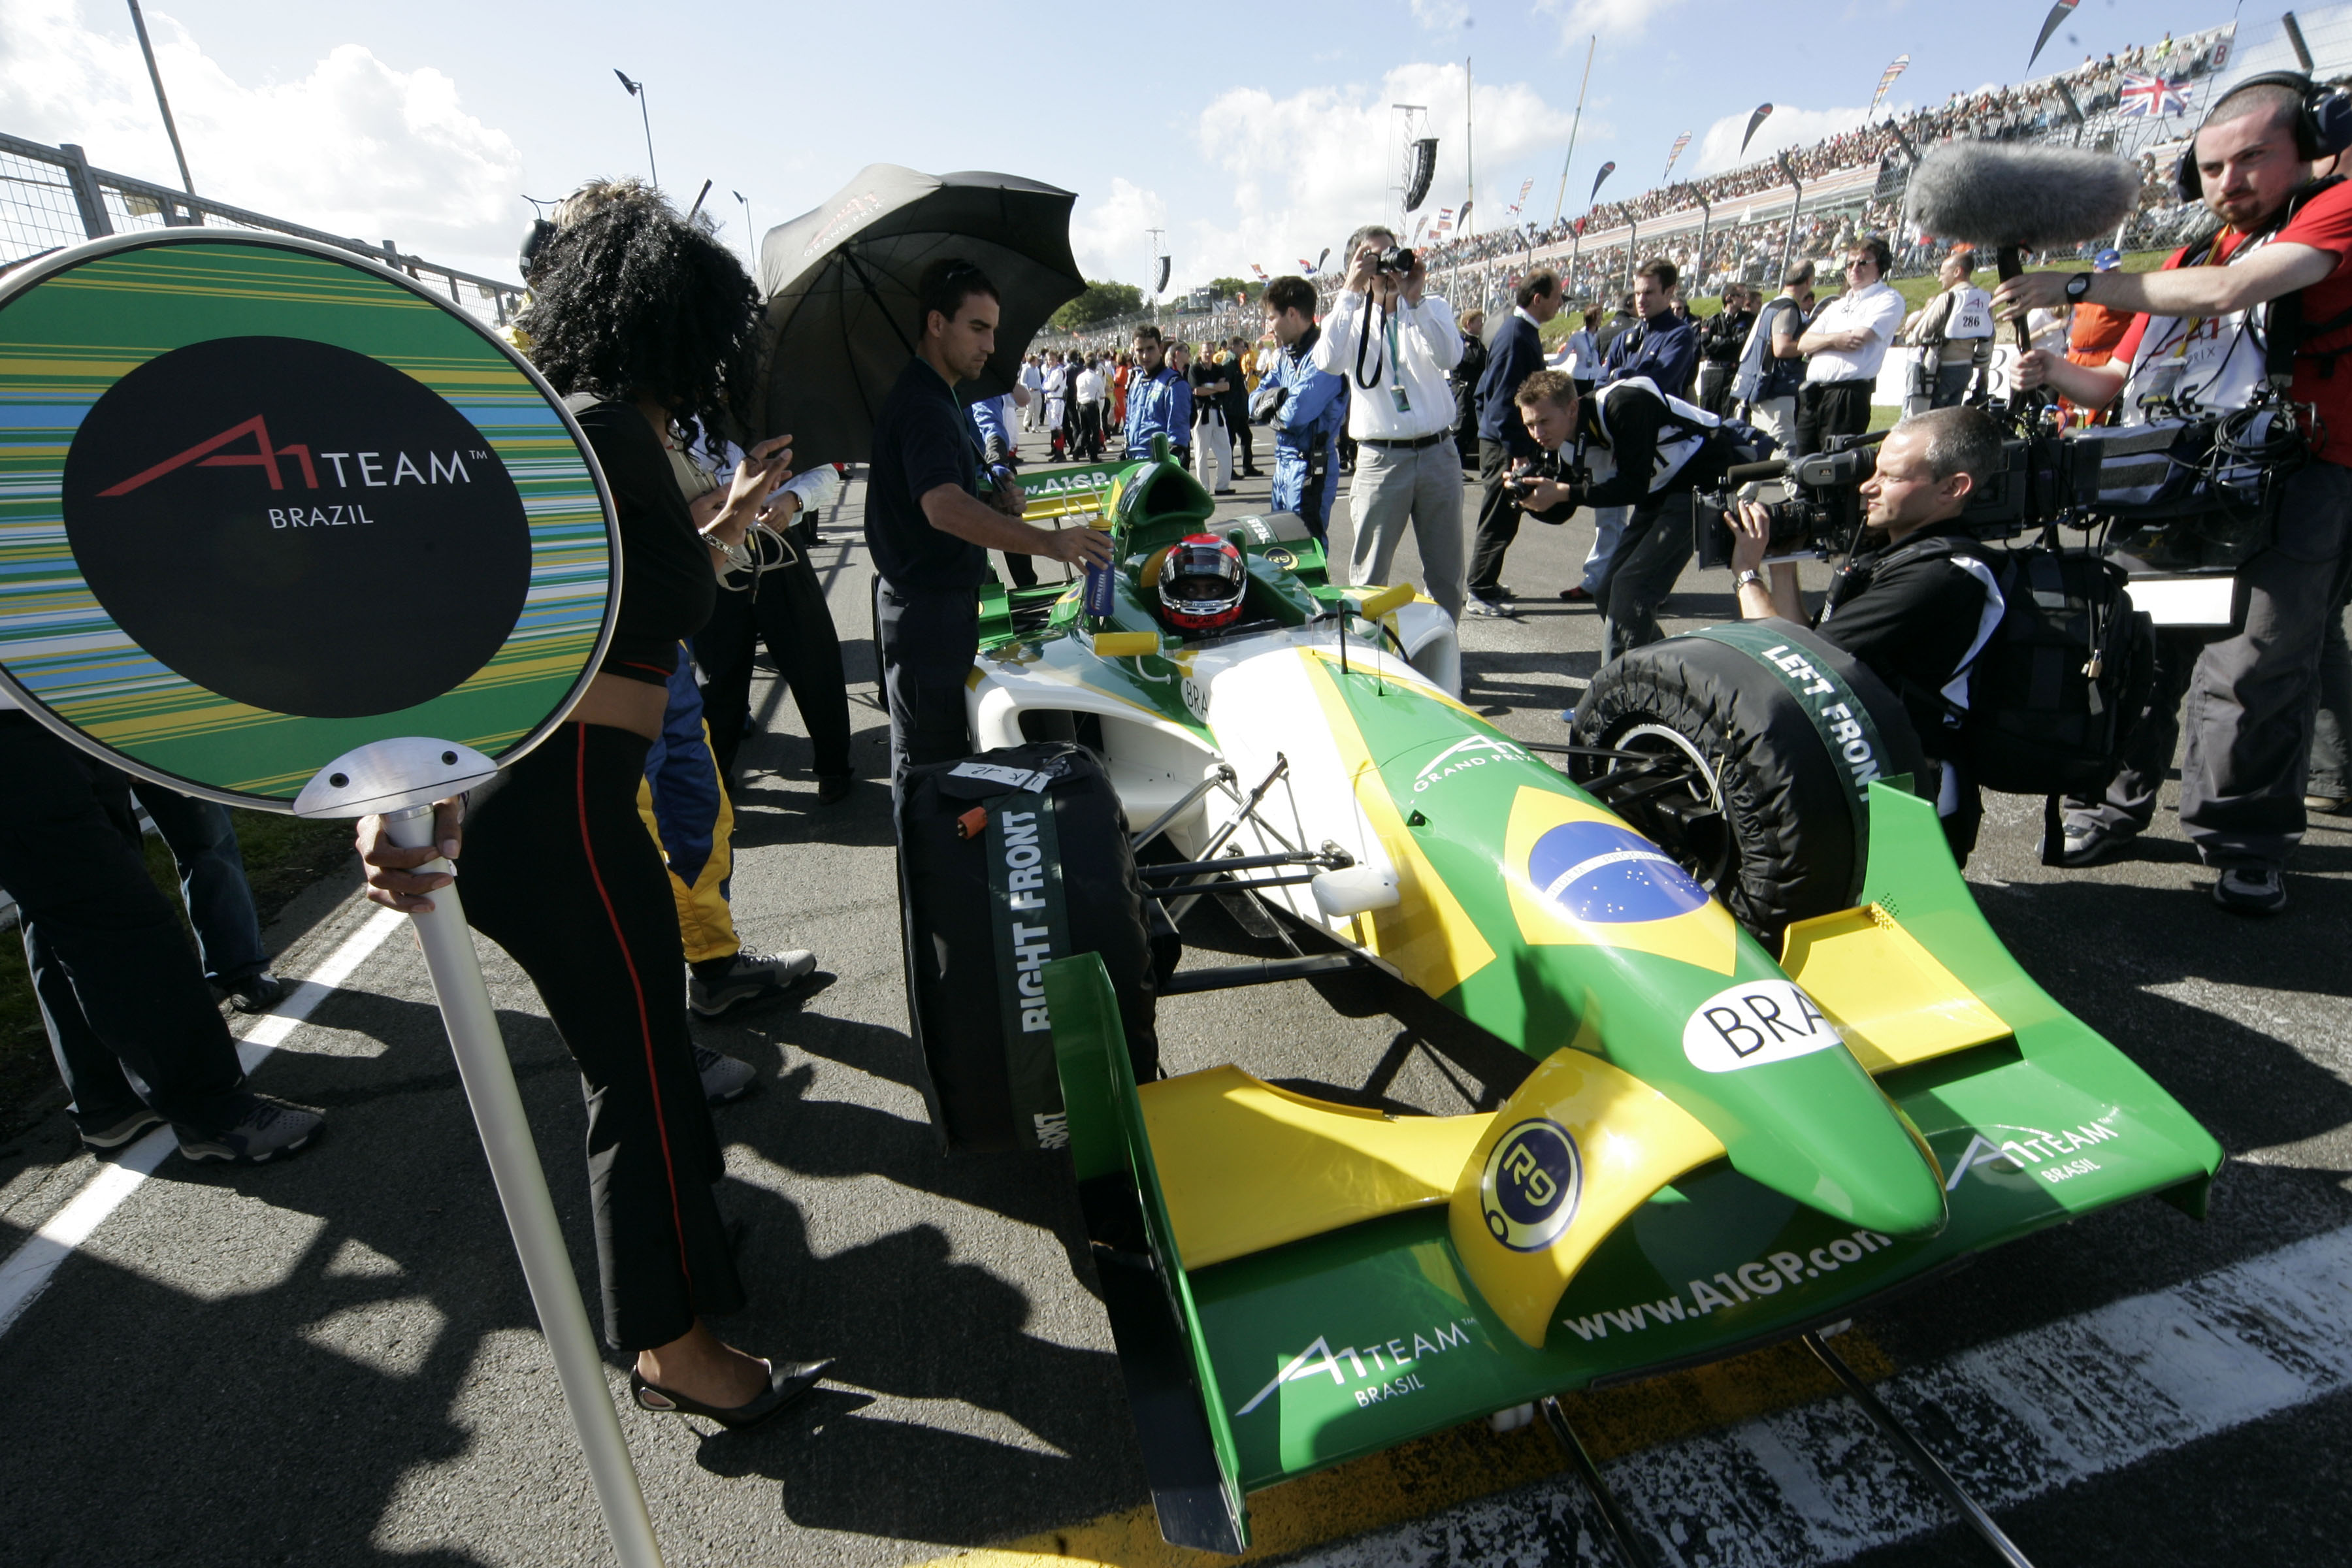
{"type": "Point", "coordinates": [2021, 199]}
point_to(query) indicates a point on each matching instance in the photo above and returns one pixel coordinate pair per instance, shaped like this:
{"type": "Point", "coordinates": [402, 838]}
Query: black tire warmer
{"type": "Point", "coordinates": [1796, 728]}
{"type": "Point", "coordinates": [1007, 860]}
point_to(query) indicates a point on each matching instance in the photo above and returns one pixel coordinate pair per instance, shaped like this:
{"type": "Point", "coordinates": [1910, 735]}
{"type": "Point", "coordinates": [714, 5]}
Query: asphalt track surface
{"type": "Point", "coordinates": [334, 1361]}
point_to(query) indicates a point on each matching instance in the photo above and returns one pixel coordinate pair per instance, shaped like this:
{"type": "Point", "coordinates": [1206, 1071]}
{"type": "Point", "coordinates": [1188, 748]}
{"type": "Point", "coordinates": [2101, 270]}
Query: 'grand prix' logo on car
{"type": "Point", "coordinates": [1530, 1185]}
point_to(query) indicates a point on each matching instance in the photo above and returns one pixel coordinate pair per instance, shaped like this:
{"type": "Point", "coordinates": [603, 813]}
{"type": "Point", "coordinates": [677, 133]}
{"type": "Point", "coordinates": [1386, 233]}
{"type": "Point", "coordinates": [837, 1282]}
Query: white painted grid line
{"type": "Point", "coordinates": [28, 1270]}
{"type": "Point", "coordinates": [2045, 1409]}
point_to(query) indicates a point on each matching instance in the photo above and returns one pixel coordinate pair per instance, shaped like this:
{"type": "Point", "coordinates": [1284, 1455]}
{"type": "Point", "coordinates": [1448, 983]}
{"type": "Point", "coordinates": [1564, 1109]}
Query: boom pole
{"type": "Point", "coordinates": [1559, 205]}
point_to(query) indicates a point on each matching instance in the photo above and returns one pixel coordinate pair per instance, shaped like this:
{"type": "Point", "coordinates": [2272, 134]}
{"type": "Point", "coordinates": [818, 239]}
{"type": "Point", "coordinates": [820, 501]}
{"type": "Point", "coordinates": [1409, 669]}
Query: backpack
{"type": "Point", "coordinates": [2056, 689]}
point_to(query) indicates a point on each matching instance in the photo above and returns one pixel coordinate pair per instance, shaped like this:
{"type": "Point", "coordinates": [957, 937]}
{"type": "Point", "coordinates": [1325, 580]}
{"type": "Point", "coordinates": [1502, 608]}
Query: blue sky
{"type": "Point", "coordinates": [1250, 133]}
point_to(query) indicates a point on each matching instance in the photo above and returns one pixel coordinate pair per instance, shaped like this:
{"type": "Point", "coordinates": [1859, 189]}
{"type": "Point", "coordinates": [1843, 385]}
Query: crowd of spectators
{"type": "Point", "coordinates": [1752, 251]}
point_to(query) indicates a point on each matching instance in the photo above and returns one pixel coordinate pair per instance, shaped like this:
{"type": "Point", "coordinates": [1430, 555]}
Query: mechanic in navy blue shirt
{"type": "Point", "coordinates": [929, 530]}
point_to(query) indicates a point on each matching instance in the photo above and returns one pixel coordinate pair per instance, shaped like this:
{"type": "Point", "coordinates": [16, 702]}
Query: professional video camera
{"type": "Point", "coordinates": [2192, 493]}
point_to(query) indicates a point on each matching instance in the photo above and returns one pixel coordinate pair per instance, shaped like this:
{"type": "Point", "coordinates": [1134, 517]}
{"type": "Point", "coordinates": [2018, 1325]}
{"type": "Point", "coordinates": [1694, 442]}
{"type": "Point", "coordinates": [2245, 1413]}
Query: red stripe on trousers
{"type": "Point", "coordinates": [645, 1028]}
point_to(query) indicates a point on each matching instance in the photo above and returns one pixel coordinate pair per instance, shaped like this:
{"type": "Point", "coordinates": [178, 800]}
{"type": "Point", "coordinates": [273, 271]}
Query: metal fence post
{"type": "Point", "coordinates": [94, 223]}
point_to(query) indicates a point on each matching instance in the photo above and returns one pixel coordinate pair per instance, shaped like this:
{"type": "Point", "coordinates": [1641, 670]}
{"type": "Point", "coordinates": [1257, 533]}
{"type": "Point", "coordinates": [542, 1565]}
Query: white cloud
{"type": "Point", "coordinates": [1109, 234]}
{"type": "Point", "coordinates": [1441, 16]}
{"type": "Point", "coordinates": [355, 147]}
{"type": "Point", "coordinates": [1305, 170]}
{"type": "Point", "coordinates": [1616, 20]}
{"type": "Point", "coordinates": [1786, 127]}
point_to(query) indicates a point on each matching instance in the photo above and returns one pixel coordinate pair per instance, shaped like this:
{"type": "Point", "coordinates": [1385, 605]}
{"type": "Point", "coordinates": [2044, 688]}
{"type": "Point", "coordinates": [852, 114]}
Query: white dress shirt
{"type": "Point", "coordinates": [1090, 385]}
{"type": "Point", "coordinates": [1428, 345]}
{"type": "Point", "coordinates": [1875, 309]}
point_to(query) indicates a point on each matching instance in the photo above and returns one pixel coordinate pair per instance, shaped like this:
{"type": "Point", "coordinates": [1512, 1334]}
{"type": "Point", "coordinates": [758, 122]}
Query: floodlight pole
{"type": "Point", "coordinates": [138, 22]}
{"type": "Point", "coordinates": [751, 235]}
{"type": "Point", "coordinates": [489, 1078]}
{"type": "Point", "coordinates": [637, 92]}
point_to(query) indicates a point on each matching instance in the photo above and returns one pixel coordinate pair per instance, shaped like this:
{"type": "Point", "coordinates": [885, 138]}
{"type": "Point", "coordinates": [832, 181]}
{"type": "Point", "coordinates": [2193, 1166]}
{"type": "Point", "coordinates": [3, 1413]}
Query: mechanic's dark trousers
{"type": "Point", "coordinates": [929, 641]}
{"type": "Point", "coordinates": [130, 1017]}
{"type": "Point", "coordinates": [2253, 698]}
{"type": "Point", "coordinates": [1714, 385]}
{"type": "Point", "coordinates": [1021, 571]}
{"type": "Point", "coordinates": [1827, 408]}
{"type": "Point", "coordinates": [2331, 738]}
{"type": "Point", "coordinates": [1499, 520]}
{"type": "Point", "coordinates": [1655, 549]}
{"type": "Point", "coordinates": [202, 841]}
{"type": "Point", "coordinates": [2129, 804]}
{"type": "Point", "coordinates": [1240, 425]}
{"type": "Point", "coordinates": [559, 870]}
{"type": "Point", "coordinates": [784, 608]}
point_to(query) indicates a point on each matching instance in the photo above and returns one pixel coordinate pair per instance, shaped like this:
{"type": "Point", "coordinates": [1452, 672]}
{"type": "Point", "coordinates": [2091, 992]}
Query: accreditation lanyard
{"type": "Point", "coordinates": [1396, 366]}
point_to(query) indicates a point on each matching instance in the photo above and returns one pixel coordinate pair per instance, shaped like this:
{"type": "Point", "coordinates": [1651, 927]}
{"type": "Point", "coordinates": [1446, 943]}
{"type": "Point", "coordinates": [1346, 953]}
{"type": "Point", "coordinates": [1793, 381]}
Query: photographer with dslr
{"type": "Point", "coordinates": [2219, 321]}
{"type": "Point", "coordinates": [1395, 342]}
{"type": "Point", "coordinates": [1637, 447]}
{"type": "Point", "coordinates": [1916, 606]}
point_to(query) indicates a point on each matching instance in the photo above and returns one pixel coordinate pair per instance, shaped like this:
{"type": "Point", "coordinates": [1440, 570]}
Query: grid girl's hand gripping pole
{"type": "Point", "coordinates": [482, 1065]}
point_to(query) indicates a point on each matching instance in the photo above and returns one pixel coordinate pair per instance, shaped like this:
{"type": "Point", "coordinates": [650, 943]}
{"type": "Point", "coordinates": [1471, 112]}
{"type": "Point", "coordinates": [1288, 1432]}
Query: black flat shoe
{"type": "Point", "coordinates": [787, 1381]}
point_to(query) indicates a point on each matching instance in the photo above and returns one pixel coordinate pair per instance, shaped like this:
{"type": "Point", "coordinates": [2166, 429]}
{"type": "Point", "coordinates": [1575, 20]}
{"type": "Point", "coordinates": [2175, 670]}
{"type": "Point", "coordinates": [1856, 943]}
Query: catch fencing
{"type": "Point", "coordinates": [52, 197]}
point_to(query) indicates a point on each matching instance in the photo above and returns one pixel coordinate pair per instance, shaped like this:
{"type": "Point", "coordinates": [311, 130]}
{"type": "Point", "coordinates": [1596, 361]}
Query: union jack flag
{"type": "Point", "coordinates": [1306, 266]}
{"type": "Point", "coordinates": [1259, 270]}
{"type": "Point", "coordinates": [2152, 97]}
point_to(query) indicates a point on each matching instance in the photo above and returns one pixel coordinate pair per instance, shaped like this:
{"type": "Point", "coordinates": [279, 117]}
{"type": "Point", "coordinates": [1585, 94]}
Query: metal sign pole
{"type": "Point", "coordinates": [475, 1041]}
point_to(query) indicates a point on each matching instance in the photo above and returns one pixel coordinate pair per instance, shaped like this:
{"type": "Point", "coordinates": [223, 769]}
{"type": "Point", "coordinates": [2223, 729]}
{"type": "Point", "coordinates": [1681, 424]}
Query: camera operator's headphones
{"type": "Point", "coordinates": [2323, 124]}
{"type": "Point", "coordinates": [541, 231]}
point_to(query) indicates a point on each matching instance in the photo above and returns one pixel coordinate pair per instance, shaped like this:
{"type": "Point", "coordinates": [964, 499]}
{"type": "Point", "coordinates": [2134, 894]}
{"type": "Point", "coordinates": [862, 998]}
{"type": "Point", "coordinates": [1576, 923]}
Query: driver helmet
{"type": "Point", "coordinates": [1200, 584]}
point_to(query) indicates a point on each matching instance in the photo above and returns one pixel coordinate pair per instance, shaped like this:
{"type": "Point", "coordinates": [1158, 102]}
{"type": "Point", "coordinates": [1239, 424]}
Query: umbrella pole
{"type": "Point", "coordinates": [482, 1065]}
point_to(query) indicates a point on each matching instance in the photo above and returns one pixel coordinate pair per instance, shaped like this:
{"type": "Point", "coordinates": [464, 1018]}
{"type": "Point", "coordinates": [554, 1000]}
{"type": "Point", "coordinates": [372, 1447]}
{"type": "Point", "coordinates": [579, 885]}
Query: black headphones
{"type": "Point", "coordinates": [541, 231]}
{"type": "Point", "coordinates": [2323, 125]}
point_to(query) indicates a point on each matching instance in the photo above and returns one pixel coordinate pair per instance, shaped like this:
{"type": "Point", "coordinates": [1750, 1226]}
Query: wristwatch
{"type": "Point", "coordinates": [1750, 575]}
{"type": "Point", "coordinates": [2078, 286]}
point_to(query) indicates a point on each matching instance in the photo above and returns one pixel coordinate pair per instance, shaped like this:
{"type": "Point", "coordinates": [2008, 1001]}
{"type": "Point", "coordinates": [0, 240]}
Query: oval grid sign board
{"type": "Point", "coordinates": [263, 504]}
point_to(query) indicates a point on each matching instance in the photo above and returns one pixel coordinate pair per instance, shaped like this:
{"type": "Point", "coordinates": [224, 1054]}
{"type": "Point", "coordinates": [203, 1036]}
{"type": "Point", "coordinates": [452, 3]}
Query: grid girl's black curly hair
{"type": "Point", "coordinates": [631, 299]}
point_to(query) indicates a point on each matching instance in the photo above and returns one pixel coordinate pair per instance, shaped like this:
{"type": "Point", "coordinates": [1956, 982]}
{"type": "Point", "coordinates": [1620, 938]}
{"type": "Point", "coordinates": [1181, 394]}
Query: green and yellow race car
{"type": "Point", "coordinates": [1778, 1063]}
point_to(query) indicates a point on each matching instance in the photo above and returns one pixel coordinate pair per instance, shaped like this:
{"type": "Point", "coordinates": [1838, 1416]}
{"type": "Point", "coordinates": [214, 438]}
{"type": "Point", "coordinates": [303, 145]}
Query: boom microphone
{"type": "Point", "coordinates": [2021, 199]}
{"type": "Point", "coordinates": [2021, 196]}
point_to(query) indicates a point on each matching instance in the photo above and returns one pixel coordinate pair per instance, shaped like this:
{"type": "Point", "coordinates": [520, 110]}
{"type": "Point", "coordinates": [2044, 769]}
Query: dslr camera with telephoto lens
{"type": "Point", "coordinates": [1396, 261]}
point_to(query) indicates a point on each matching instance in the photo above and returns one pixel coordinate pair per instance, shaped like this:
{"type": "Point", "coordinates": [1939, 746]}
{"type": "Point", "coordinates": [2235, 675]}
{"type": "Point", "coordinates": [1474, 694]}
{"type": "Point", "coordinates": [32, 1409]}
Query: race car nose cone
{"type": "Point", "coordinates": [1847, 1155]}
{"type": "Point", "coordinates": [1796, 1112]}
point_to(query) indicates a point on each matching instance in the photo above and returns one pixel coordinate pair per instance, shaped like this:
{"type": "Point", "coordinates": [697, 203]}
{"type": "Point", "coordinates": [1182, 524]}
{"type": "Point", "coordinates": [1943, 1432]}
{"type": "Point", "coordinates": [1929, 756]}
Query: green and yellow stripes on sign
{"type": "Point", "coordinates": [295, 278]}
{"type": "Point", "coordinates": [65, 342]}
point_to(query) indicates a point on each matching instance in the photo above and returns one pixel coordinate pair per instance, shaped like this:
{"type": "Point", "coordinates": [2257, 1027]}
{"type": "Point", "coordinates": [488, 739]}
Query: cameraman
{"type": "Point", "coordinates": [1919, 606]}
{"type": "Point", "coordinates": [2252, 698]}
{"type": "Point", "coordinates": [1647, 451]}
{"type": "Point", "coordinates": [1395, 342]}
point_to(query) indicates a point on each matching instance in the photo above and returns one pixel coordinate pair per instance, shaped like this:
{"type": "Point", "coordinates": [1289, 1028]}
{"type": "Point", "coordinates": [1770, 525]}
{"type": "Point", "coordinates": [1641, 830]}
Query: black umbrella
{"type": "Point", "coordinates": [839, 284]}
